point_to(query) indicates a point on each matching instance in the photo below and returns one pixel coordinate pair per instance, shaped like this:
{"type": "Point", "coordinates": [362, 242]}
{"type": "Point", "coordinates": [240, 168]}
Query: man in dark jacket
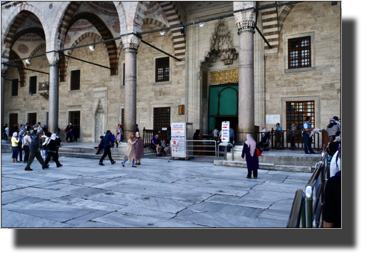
{"type": "Point", "coordinates": [107, 147]}
{"type": "Point", "coordinates": [34, 147]}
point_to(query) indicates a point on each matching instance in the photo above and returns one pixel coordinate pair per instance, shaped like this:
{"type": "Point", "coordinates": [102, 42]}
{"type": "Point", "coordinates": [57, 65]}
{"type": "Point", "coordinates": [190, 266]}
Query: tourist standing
{"type": "Point", "coordinates": [51, 151]}
{"type": "Point", "coordinates": [119, 132]}
{"type": "Point", "coordinates": [249, 150]}
{"type": "Point", "coordinates": [307, 127]}
{"type": "Point", "coordinates": [278, 136]}
{"type": "Point", "coordinates": [20, 138]}
{"type": "Point", "coordinates": [130, 154]}
{"type": "Point", "coordinates": [26, 146]}
{"type": "Point", "coordinates": [215, 134]}
{"type": "Point", "coordinates": [6, 132]}
{"type": "Point", "coordinates": [34, 152]}
{"type": "Point", "coordinates": [138, 148]}
{"type": "Point", "coordinates": [107, 148]}
{"type": "Point", "coordinates": [14, 141]}
{"type": "Point", "coordinates": [293, 129]}
{"type": "Point", "coordinates": [67, 134]}
{"type": "Point", "coordinates": [332, 128]}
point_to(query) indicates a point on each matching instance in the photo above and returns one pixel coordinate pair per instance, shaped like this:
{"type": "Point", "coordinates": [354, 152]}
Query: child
{"type": "Point", "coordinates": [100, 146]}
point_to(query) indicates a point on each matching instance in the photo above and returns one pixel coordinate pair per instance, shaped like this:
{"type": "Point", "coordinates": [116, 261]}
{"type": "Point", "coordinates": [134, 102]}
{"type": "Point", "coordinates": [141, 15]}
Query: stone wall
{"type": "Point", "coordinates": [322, 22]}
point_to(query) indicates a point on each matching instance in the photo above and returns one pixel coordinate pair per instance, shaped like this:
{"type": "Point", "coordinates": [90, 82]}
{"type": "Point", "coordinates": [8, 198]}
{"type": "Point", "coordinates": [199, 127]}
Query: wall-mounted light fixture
{"type": "Point", "coordinates": [92, 47]}
{"type": "Point", "coordinates": [27, 61]}
{"type": "Point", "coordinates": [201, 24]}
{"type": "Point", "coordinates": [162, 33]}
{"type": "Point", "coordinates": [182, 30]}
{"type": "Point", "coordinates": [181, 109]}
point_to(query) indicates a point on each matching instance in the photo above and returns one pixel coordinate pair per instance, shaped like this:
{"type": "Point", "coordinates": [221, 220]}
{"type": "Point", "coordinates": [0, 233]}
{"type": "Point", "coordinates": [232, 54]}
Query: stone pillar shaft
{"type": "Point", "coordinates": [53, 99]}
{"type": "Point", "coordinates": [246, 86]}
{"type": "Point", "coordinates": [2, 98]}
{"type": "Point", "coordinates": [130, 93]}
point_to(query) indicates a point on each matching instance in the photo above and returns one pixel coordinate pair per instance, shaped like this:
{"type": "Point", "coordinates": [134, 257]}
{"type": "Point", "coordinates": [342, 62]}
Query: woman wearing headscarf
{"type": "Point", "coordinates": [130, 154]}
{"type": "Point", "coordinates": [50, 146]}
{"type": "Point", "coordinates": [138, 148]}
{"type": "Point", "coordinates": [15, 142]}
{"type": "Point", "coordinates": [119, 132]}
{"type": "Point", "coordinates": [249, 150]}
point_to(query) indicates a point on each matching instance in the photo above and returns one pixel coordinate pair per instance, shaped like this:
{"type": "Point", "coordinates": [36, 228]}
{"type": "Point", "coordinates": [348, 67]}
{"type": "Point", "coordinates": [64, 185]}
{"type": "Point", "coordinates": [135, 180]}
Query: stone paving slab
{"type": "Point", "coordinates": [156, 194]}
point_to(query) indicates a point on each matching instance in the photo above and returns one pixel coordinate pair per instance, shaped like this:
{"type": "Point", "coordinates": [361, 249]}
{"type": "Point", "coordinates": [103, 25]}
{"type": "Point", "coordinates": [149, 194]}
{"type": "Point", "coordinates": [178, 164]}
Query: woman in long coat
{"type": "Point", "coordinates": [249, 150]}
{"type": "Point", "coordinates": [130, 154]}
{"type": "Point", "coordinates": [119, 132]}
{"type": "Point", "coordinates": [139, 148]}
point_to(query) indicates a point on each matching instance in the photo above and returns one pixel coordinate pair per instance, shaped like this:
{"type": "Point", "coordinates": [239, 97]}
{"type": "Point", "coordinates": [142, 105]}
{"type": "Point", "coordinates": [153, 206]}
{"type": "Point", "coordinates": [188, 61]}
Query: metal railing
{"type": "Point", "coordinates": [282, 139]}
{"type": "Point", "coordinates": [306, 210]}
{"type": "Point", "coordinates": [198, 148]}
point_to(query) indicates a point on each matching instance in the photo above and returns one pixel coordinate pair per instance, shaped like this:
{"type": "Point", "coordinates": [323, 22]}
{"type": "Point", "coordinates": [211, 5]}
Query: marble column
{"type": "Point", "coordinates": [53, 93]}
{"type": "Point", "coordinates": [4, 69]}
{"type": "Point", "coordinates": [245, 22]}
{"type": "Point", "coordinates": [131, 43]}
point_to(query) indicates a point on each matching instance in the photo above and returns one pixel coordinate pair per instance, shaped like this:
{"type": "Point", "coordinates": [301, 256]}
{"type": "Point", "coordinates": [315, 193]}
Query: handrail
{"type": "Point", "coordinates": [311, 212]}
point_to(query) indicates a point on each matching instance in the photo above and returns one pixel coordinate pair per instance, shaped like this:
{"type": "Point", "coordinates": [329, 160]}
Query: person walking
{"type": "Point", "coordinates": [249, 150]}
{"type": "Point", "coordinates": [34, 152]}
{"type": "Point", "coordinates": [107, 148]}
{"type": "Point", "coordinates": [138, 148]}
{"type": "Point", "coordinates": [119, 132]}
{"type": "Point", "coordinates": [15, 142]}
{"type": "Point", "coordinates": [26, 146]}
{"type": "Point", "coordinates": [51, 151]}
{"type": "Point", "coordinates": [307, 127]}
{"type": "Point", "coordinates": [58, 144]}
{"type": "Point", "coordinates": [130, 154]}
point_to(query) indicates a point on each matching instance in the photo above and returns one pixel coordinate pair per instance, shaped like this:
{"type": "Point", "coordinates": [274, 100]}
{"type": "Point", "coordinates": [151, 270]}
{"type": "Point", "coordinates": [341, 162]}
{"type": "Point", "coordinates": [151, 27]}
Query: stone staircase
{"type": "Point", "coordinates": [276, 160]}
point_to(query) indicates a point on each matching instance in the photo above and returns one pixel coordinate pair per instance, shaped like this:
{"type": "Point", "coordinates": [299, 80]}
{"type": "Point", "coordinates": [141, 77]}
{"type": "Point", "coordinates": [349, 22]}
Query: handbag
{"type": "Point", "coordinates": [258, 152]}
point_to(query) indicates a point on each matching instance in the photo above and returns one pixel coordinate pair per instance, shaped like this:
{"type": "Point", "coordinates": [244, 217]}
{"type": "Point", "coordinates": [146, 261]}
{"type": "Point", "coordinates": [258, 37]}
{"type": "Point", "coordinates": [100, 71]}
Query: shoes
{"type": "Point", "coordinates": [113, 162]}
{"type": "Point", "coordinates": [101, 163]}
{"type": "Point", "coordinates": [255, 177]}
{"type": "Point", "coordinates": [307, 153]}
{"type": "Point", "coordinates": [122, 164]}
{"type": "Point", "coordinates": [134, 166]}
{"type": "Point", "coordinates": [28, 169]}
{"type": "Point", "coordinates": [61, 165]}
{"type": "Point", "coordinates": [248, 177]}
{"type": "Point", "coordinates": [45, 167]}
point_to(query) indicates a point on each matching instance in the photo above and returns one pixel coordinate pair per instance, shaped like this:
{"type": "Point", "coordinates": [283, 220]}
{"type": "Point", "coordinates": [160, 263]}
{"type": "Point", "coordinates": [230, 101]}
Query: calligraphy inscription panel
{"type": "Point", "coordinates": [224, 76]}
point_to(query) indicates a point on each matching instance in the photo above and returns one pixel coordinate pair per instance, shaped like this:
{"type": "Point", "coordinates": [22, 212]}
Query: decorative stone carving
{"type": "Point", "coordinates": [53, 58]}
{"type": "Point", "coordinates": [245, 20]}
{"type": "Point", "coordinates": [221, 45]}
{"type": "Point", "coordinates": [131, 43]}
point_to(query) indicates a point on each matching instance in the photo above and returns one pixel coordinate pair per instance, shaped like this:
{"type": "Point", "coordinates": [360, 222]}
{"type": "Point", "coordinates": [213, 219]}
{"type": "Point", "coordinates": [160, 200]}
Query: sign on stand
{"type": "Point", "coordinates": [225, 131]}
{"type": "Point", "coordinates": [178, 137]}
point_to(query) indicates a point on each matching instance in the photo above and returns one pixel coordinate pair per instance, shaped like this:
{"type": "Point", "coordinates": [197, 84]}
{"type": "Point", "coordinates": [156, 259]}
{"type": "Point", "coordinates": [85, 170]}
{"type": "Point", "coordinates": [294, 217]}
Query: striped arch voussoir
{"type": "Point", "coordinates": [270, 27]}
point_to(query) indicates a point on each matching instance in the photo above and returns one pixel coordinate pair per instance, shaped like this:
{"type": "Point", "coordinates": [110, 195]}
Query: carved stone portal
{"type": "Point", "coordinates": [221, 45]}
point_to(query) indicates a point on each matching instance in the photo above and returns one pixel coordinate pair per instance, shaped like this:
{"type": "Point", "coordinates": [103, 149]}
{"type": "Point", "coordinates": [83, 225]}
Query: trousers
{"type": "Point", "coordinates": [34, 154]}
{"type": "Point", "coordinates": [307, 143]}
{"type": "Point", "coordinates": [54, 156]}
{"type": "Point", "coordinates": [107, 151]}
{"type": "Point", "coordinates": [254, 173]}
{"type": "Point", "coordinates": [27, 153]}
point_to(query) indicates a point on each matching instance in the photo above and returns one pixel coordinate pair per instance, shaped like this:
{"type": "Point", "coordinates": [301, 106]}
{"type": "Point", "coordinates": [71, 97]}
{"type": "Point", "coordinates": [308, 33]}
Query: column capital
{"type": "Point", "coordinates": [53, 58]}
{"type": "Point", "coordinates": [245, 20]}
{"type": "Point", "coordinates": [130, 43]}
{"type": "Point", "coordinates": [4, 68]}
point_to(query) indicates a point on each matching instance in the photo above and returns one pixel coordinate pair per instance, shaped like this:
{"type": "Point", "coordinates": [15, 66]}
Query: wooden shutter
{"type": "Point", "coordinates": [33, 85]}
{"type": "Point", "coordinates": [15, 87]}
{"type": "Point", "coordinates": [75, 80]}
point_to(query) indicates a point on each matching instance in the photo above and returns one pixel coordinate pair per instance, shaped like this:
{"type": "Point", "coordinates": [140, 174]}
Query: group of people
{"type": "Point", "coordinates": [36, 142]}
{"type": "Point", "coordinates": [134, 152]}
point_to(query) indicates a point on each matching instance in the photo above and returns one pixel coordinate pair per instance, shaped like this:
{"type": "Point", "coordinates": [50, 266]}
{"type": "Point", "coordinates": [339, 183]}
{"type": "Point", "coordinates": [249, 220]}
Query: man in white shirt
{"type": "Point", "coordinates": [215, 134]}
{"type": "Point", "coordinates": [6, 132]}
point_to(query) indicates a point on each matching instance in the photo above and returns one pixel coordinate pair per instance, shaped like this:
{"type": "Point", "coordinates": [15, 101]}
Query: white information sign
{"type": "Point", "coordinates": [273, 119]}
{"type": "Point", "coordinates": [178, 137]}
{"type": "Point", "coordinates": [225, 131]}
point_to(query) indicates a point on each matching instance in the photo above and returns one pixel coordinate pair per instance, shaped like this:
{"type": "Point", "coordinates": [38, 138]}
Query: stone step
{"type": "Point", "coordinates": [267, 166]}
{"type": "Point", "coordinates": [94, 156]}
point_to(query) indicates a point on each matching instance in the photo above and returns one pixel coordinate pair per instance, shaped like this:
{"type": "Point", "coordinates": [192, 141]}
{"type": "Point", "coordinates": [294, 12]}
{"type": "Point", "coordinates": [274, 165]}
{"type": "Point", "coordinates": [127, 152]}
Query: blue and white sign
{"type": "Point", "coordinates": [225, 131]}
{"type": "Point", "coordinates": [178, 137]}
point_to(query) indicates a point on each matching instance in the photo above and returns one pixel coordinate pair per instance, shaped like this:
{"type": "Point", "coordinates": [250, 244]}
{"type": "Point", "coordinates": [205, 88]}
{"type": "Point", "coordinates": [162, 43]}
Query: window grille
{"type": "Point", "coordinates": [162, 69]}
{"type": "Point", "coordinates": [32, 118]}
{"type": "Point", "coordinates": [300, 52]}
{"type": "Point", "coordinates": [297, 111]}
{"type": "Point", "coordinates": [161, 118]}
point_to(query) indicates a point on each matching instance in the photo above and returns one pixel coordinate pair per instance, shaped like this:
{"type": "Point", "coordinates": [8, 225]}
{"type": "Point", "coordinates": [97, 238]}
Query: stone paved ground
{"type": "Point", "coordinates": [158, 193]}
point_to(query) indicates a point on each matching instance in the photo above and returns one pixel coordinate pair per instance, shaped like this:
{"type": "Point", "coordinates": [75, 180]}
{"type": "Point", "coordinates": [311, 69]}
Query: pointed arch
{"type": "Point", "coordinates": [13, 23]}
